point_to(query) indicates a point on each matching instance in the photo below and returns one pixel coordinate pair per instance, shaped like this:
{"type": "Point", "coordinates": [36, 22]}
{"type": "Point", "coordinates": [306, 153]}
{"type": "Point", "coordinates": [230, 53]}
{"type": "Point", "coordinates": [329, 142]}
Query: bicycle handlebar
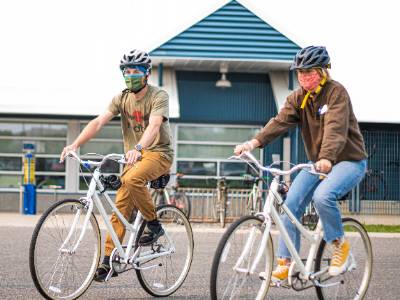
{"type": "Point", "coordinates": [248, 157]}
{"type": "Point", "coordinates": [119, 158]}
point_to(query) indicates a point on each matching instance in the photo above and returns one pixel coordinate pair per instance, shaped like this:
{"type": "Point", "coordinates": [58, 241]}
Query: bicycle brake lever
{"type": "Point", "coordinates": [122, 161]}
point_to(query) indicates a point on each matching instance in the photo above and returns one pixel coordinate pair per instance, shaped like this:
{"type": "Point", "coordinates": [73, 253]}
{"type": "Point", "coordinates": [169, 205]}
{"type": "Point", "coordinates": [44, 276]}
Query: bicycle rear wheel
{"type": "Point", "coordinates": [64, 274]}
{"type": "Point", "coordinates": [222, 214]}
{"type": "Point", "coordinates": [157, 196]}
{"type": "Point", "coordinates": [230, 273]}
{"type": "Point", "coordinates": [250, 206]}
{"type": "Point", "coordinates": [163, 275]}
{"type": "Point", "coordinates": [373, 187]}
{"type": "Point", "coordinates": [182, 202]}
{"type": "Point", "coordinates": [353, 284]}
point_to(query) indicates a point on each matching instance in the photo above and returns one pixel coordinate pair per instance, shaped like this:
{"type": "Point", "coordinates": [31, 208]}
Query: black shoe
{"type": "Point", "coordinates": [151, 234]}
{"type": "Point", "coordinates": [102, 272]}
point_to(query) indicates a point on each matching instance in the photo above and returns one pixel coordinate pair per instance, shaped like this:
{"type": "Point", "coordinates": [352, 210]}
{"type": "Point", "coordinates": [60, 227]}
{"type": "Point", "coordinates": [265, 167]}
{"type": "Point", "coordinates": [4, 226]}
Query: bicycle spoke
{"type": "Point", "coordinates": [164, 279]}
{"type": "Point", "coordinates": [354, 282]}
{"type": "Point", "coordinates": [234, 258]}
{"type": "Point", "coordinates": [64, 275]}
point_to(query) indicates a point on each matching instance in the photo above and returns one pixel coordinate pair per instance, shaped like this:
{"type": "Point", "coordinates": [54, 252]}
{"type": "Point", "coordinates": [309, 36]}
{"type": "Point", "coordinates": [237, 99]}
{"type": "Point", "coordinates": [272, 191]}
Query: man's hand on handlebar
{"type": "Point", "coordinates": [66, 150]}
{"type": "Point", "coordinates": [132, 156]}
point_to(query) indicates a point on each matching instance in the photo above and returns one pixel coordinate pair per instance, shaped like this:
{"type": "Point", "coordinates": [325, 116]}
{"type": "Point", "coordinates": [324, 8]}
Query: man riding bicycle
{"type": "Point", "coordinates": [332, 140]}
{"type": "Point", "coordinates": [147, 146]}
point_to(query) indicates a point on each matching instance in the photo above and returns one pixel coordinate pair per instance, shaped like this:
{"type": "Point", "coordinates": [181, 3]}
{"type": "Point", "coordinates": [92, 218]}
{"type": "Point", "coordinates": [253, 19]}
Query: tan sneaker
{"type": "Point", "coordinates": [282, 270]}
{"type": "Point", "coordinates": [340, 258]}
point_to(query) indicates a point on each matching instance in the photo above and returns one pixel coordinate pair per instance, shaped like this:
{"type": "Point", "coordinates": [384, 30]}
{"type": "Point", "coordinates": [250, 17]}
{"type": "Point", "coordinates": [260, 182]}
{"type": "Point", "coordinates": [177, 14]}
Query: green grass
{"type": "Point", "coordinates": [378, 228]}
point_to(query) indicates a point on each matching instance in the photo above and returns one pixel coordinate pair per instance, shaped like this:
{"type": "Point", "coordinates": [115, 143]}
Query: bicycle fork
{"type": "Point", "coordinates": [73, 228]}
{"type": "Point", "coordinates": [249, 245]}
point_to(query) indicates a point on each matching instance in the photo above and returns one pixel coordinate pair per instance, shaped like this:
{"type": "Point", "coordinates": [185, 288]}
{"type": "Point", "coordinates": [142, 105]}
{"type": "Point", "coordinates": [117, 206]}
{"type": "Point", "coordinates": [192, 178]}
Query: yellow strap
{"type": "Point", "coordinates": [303, 104]}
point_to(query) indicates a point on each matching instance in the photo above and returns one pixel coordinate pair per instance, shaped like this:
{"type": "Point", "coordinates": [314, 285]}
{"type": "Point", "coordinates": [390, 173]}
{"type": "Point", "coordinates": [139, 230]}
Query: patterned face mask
{"type": "Point", "coordinates": [309, 80]}
{"type": "Point", "coordinates": [135, 82]}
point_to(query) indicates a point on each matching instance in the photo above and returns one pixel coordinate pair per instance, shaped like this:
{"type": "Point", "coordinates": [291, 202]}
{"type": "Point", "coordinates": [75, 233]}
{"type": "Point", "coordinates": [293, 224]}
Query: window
{"type": "Point", "coordinates": [49, 139]}
{"type": "Point", "coordinates": [203, 151]}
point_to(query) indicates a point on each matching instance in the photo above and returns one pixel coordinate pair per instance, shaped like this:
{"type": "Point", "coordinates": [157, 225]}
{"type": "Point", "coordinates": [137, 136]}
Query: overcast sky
{"type": "Point", "coordinates": [62, 56]}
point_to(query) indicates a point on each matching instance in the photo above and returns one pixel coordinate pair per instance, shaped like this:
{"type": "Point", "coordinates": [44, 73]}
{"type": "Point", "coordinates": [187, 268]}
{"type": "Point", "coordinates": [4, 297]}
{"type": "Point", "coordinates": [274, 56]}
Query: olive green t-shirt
{"type": "Point", "coordinates": [135, 115]}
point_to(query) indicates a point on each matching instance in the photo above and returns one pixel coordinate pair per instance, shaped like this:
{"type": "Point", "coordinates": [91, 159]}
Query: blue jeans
{"type": "Point", "coordinates": [325, 193]}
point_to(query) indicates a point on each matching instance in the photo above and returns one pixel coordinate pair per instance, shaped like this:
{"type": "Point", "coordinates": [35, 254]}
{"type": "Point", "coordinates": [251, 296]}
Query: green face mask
{"type": "Point", "coordinates": [135, 82]}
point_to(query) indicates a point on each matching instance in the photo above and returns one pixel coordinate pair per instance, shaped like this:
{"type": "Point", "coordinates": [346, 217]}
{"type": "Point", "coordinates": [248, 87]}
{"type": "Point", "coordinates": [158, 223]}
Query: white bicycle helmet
{"type": "Point", "coordinates": [136, 58]}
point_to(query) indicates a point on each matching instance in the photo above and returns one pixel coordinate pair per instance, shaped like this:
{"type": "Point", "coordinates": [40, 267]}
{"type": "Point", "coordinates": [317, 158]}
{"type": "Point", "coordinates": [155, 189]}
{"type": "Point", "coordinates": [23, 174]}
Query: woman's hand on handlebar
{"type": "Point", "coordinates": [246, 146]}
{"type": "Point", "coordinates": [323, 166]}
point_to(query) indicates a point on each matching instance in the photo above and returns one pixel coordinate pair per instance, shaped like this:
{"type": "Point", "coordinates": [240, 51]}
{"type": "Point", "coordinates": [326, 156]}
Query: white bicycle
{"type": "Point", "coordinates": [66, 244]}
{"type": "Point", "coordinates": [244, 259]}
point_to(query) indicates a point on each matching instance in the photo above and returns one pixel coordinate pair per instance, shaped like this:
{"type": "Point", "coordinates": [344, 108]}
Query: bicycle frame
{"type": "Point", "coordinates": [269, 211]}
{"type": "Point", "coordinates": [313, 238]}
{"type": "Point", "coordinates": [92, 199]}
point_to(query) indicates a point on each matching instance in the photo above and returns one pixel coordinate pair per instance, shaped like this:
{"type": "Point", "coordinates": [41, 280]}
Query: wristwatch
{"type": "Point", "coordinates": [139, 148]}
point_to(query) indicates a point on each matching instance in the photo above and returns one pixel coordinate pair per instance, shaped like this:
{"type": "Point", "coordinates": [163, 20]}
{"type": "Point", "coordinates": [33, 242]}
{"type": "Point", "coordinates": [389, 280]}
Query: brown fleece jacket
{"type": "Point", "coordinates": [328, 125]}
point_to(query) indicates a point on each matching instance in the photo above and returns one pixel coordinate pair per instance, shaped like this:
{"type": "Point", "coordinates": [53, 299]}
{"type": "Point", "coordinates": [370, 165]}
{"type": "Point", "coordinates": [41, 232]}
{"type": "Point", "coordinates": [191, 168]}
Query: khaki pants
{"type": "Point", "coordinates": [133, 192]}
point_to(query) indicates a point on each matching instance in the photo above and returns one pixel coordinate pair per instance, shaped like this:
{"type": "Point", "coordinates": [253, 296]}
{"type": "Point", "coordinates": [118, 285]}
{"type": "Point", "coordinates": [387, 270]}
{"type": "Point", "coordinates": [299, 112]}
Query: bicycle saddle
{"type": "Point", "coordinates": [160, 183]}
{"type": "Point", "coordinates": [111, 182]}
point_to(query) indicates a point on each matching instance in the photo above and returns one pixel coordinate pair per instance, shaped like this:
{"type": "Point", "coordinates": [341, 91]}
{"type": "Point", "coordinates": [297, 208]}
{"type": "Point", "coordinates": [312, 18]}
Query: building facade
{"type": "Point", "coordinates": [226, 75]}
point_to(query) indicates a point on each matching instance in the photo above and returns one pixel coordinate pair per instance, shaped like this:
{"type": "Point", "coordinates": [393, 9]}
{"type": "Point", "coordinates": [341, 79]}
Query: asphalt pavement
{"type": "Point", "coordinates": [16, 282]}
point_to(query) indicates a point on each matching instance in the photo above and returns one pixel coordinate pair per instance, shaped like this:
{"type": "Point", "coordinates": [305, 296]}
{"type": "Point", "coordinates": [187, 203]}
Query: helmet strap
{"type": "Point", "coordinates": [313, 94]}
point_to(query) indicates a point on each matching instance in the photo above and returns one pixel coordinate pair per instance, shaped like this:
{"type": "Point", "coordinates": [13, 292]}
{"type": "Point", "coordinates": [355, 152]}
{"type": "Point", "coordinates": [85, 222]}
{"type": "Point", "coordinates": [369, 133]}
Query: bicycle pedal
{"type": "Point", "coordinates": [279, 283]}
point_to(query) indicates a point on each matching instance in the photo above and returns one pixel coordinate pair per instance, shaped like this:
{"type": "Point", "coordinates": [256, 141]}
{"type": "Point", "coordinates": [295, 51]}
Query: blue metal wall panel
{"type": "Point", "coordinates": [249, 101]}
{"type": "Point", "coordinates": [230, 32]}
{"type": "Point", "coordinates": [383, 179]}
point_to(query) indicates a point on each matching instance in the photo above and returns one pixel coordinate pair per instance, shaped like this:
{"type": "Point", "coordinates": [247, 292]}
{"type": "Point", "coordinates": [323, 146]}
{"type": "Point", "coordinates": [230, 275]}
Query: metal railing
{"type": "Point", "coordinates": [203, 202]}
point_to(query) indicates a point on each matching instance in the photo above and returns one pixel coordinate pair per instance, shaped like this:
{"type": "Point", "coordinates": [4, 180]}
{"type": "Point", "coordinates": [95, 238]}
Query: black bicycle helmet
{"type": "Point", "coordinates": [311, 57]}
{"type": "Point", "coordinates": [136, 58]}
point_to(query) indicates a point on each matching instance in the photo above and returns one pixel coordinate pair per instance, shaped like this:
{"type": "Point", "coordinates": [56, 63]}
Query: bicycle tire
{"type": "Point", "coordinates": [53, 291]}
{"type": "Point", "coordinates": [357, 248]}
{"type": "Point", "coordinates": [221, 256]}
{"type": "Point", "coordinates": [164, 214]}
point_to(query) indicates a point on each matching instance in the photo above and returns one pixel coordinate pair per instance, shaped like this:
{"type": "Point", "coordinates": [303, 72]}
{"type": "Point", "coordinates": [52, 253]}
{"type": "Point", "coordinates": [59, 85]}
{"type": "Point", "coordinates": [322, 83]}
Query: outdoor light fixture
{"type": "Point", "coordinates": [223, 82]}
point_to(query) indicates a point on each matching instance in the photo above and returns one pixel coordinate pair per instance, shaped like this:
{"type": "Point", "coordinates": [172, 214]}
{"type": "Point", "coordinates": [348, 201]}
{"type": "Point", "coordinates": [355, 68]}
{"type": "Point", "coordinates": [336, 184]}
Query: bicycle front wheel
{"type": "Point", "coordinates": [163, 275]}
{"type": "Point", "coordinates": [234, 273]}
{"type": "Point", "coordinates": [57, 271]}
{"type": "Point", "coordinates": [352, 284]}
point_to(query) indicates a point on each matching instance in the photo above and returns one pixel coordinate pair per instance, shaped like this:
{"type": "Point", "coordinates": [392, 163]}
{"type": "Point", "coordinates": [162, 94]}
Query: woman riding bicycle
{"type": "Point", "coordinates": [333, 141]}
